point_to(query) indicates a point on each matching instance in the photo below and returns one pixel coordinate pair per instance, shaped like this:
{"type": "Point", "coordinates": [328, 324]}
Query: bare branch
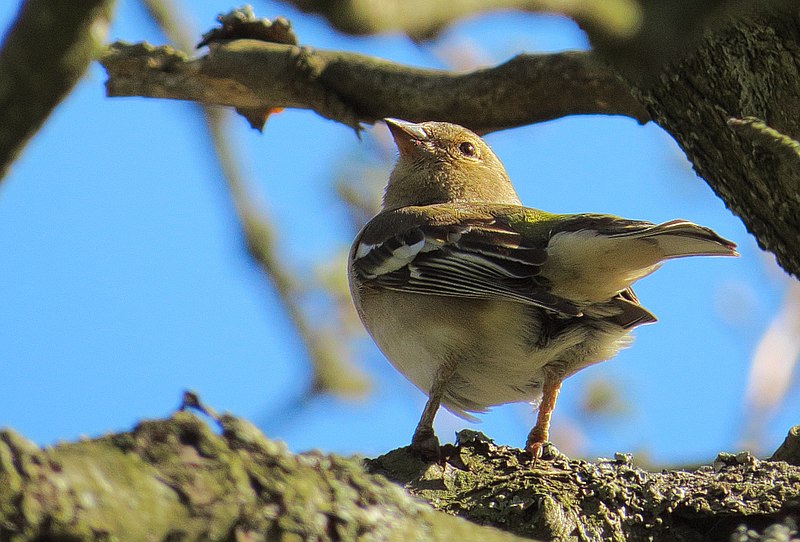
{"type": "Point", "coordinates": [44, 54]}
{"type": "Point", "coordinates": [331, 371]}
{"type": "Point", "coordinates": [352, 88]}
{"type": "Point", "coordinates": [743, 70]}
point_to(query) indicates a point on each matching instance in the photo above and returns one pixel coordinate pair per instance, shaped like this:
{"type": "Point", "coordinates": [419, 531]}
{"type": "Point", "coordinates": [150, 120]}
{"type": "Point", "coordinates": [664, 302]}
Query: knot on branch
{"type": "Point", "coordinates": [242, 23]}
{"type": "Point", "coordinates": [122, 59]}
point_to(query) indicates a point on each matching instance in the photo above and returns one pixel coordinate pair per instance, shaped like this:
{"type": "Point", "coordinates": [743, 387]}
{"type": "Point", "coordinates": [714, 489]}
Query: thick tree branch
{"type": "Point", "coordinates": [352, 88]}
{"type": "Point", "coordinates": [177, 479]}
{"type": "Point", "coordinates": [44, 54]}
{"type": "Point", "coordinates": [567, 499]}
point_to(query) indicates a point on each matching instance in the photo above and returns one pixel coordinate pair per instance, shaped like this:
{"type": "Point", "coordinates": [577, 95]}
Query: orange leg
{"type": "Point", "coordinates": [424, 441]}
{"type": "Point", "coordinates": [541, 431]}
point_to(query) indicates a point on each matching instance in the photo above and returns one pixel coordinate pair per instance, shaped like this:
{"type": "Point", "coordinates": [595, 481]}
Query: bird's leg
{"type": "Point", "coordinates": [541, 431]}
{"type": "Point", "coordinates": [424, 441]}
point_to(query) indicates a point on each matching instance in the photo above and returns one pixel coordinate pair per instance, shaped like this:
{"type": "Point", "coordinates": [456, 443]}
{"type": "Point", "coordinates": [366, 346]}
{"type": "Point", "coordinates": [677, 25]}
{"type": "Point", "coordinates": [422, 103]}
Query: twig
{"type": "Point", "coordinates": [772, 138]}
{"type": "Point", "coordinates": [330, 374]}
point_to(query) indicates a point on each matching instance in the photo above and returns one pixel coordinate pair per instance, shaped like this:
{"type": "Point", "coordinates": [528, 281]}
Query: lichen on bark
{"type": "Point", "coordinates": [610, 499]}
{"type": "Point", "coordinates": [179, 479]}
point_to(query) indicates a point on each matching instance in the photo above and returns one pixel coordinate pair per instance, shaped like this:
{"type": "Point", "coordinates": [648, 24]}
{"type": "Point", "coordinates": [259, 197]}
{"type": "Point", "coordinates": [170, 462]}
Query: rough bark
{"type": "Point", "coordinates": [46, 51]}
{"type": "Point", "coordinates": [177, 479]}
{"type": "Point", "coordinates": [611, 499]}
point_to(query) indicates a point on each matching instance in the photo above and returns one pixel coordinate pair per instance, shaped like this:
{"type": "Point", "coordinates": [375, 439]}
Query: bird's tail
{"type": "Point", "coordinates": [588, 267]}
{"type": "Point", "coordinates": [681, 238]}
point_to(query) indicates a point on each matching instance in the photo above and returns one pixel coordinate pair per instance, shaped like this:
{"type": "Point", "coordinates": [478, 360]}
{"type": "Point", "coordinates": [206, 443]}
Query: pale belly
{"type": "Point", "coordinates": [495, 345]}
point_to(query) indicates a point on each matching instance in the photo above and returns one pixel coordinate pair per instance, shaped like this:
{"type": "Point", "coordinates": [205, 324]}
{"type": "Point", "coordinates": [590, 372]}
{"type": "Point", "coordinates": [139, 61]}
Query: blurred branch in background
{"type": "Point", "coordinates": [774, 362]}
{"type": "Point", "coordinates": [424, 19]}
{"type": "Point", "coordinates": [44, 54]}
{"type": "Point", "coordinates": [332, 372]}
{"type": "Point", "coordinates": [639, 36]}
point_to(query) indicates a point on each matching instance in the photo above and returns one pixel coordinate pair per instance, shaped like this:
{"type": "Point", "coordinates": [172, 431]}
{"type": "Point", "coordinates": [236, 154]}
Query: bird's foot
{"type": "Point", "coordinates": [425, 445]}
{"type": "Point", "coordinates": [541, 449]}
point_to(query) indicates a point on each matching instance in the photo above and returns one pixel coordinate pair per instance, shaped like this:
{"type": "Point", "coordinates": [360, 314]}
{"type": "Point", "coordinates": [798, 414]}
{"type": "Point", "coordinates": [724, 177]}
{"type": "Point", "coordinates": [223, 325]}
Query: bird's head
{"type": "Point", "coordinates": [444, 163]}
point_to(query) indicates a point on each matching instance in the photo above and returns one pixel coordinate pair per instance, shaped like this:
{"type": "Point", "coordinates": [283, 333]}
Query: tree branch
{"type": "Point", "coordinates": [423, 19]}
{"type": "Point", "coordinates": [178, 479]}
{"type": "Point", "coordinates": [331, 372]}
{"type": "Point", "coordinates": [44, 54]}
{"type": "Point", "coordinates": [352, 88]}
{"type": "Point", "coordinates": [568, 499]}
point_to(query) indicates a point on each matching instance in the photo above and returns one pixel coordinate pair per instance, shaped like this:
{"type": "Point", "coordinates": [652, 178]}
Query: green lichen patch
{"type": "Point", "coordinates": [178, 479]}
{"type": "Point", "coordinates": [610, 499]}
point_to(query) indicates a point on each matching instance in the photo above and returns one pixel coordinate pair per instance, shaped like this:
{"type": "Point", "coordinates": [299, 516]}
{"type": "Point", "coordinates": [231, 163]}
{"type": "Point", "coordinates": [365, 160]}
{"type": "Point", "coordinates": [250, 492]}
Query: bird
{"type": "Point", "coordinates": [480, 301]}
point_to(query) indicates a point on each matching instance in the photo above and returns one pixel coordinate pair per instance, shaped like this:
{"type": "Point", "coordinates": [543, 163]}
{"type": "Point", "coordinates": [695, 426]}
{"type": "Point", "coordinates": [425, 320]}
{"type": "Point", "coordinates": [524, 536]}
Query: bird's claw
{"type": "Point", "coordinates": [541, 450]}
{"type": "Point", "coordinates": [535, 450]}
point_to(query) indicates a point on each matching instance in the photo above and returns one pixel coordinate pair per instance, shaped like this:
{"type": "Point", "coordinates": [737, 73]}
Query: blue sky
{"type": "Point", "coordinates": [123, 281]}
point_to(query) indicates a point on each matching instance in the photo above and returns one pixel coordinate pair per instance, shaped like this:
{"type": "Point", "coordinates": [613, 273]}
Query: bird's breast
{"type": "Point", "coordinates": [494, 343]}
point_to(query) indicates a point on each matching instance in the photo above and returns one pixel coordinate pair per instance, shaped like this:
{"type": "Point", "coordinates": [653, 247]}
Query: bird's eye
{"type": "Point", "coordinates": [467, 149]}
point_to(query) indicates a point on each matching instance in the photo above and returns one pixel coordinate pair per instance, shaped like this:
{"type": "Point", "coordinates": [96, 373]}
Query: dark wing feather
{"type": "Point", "coordinates": [631, 313]}
{"type": "Point", "coordinates": [479, 259]}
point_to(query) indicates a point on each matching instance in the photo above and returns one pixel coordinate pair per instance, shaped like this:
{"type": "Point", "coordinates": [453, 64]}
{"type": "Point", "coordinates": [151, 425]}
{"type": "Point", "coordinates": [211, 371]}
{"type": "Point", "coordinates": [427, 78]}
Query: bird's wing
{"type": "Point", "coordinates": [458, 253]}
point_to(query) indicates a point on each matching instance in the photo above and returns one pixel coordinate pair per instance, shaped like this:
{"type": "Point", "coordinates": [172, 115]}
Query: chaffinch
{"type": "Point", "coordinates": [480, 301]}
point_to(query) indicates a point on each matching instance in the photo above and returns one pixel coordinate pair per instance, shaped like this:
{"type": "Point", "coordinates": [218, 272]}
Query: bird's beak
{"type": "Point", "coordinates": [407, 135]}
